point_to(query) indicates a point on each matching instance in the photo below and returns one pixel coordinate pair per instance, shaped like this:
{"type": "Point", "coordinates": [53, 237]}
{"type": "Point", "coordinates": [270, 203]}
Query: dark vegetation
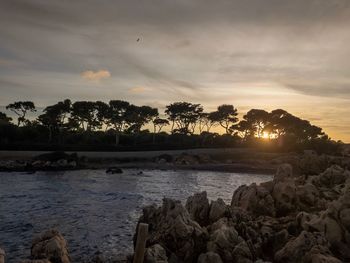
{"type": "Point", "coordinates": [119, 125]}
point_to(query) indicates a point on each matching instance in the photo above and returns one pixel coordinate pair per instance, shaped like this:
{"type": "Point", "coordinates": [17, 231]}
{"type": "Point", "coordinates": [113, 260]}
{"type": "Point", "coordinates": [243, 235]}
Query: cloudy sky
{"type": "Point", "coordinates": [292, 54]}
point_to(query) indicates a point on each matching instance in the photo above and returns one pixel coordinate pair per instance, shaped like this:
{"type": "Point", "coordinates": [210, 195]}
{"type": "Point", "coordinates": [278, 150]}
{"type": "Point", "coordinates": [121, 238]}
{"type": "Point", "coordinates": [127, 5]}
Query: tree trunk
{"type": "Point", "coordinates": [117, 139]}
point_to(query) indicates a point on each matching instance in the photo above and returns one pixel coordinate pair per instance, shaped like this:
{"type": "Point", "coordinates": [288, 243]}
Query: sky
{"type": "Point", "coordinates": [267, 54]}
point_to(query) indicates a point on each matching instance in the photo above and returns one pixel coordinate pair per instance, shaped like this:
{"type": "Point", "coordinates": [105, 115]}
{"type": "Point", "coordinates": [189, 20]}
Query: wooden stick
{"type": "Point", "coordinates": [142, 234]}
{"type": "Point", "coordinates": [2, 256]}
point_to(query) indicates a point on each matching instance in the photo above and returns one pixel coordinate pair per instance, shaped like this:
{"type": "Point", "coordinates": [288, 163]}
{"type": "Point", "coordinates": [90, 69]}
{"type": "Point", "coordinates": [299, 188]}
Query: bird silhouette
{"type": "Point", "coordinates": [138, 40]}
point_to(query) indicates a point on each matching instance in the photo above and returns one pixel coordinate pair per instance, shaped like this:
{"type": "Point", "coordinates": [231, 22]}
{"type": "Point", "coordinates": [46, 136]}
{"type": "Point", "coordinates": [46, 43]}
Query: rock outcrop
{"type": "Point", "coordinates": [50, 246]}
{"type": "Point", "coordinates": [293, 218]}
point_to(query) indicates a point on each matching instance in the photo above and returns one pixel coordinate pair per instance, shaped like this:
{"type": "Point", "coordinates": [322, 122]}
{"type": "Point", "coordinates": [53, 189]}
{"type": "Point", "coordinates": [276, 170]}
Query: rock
{"type": "Point", "coordinates": [52, 246]}
{"type": "Point", "coordinates": [284, 171]}
{"type": "Point", "coordinates": [307, 197]}
{"type": "Point", "coordinates": [254, 199]}
{"type": "Point", "coordinates": [319, 254]}
{"type": "Point", "coordinates": [334, 175]}
{"type": "Point", "coordinates": [209, 257]}
{"type": "Point", "coordinates": [164, 158]}
{"type": "Point", "coordinates": [295, 250]}
{"type": "Point", "coordinates": [217, 210]}
{"type": "Point", "coordinates": [172, 226]}
{"type": "Point", "coordinates": [311, 163]}
{"type": "Point", "coordinates": [344, 217]}
{"type": "Point", "coordinates": [198, 208]}
{"type": "Point", "coordinates": [114, 170]}
{"type": "Point", "coordinates": [62, 162]}
{"type": "Point", "coordinates": [186, 159]}
{"type": "Point", "coordinates": [284, 195]}
{"type": "Point", "coordinates": [242, 253]}
{"type": "Point", "coordinates": [156, 254]}
{"type": "Point", "coordinates": [223, 239]}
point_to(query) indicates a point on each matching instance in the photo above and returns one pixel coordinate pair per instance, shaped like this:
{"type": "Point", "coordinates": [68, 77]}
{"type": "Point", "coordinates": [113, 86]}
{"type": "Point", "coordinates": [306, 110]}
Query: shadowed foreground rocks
{"type": "Point", "coordinates": [49, 246]}
{"type": "Point", "coordinates": [290, 219]}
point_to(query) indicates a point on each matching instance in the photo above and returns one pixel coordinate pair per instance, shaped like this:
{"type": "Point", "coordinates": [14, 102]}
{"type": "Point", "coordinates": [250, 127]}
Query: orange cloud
{"type": "Point", "coordinates": [137, 90]}
{"type": "Point", "coordinates": [95, 75]}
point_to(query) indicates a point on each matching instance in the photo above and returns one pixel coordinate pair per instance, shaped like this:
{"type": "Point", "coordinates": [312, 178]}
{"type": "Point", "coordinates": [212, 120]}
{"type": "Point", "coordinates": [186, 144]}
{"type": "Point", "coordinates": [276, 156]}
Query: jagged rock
{"type": "Point", "coordinates": [295, 250]}
{"type": "Point", "coordinates": [156, 254]}
{"type": "Point", "coordinates": [284, 195]}
{"type": "Point", "coordinates": [223, 239]}
{"type": "Point", "coordinates": [52, 246]}
{"type": "Point", "coordinates": [254, 199]}
{"type": "Point", "coordinates": [242, 253]}
{"type": "Point", "coordinates": [209, 257]}
{"type": "Point", "coordinates": [171, 226]}
{"type": "Point", "coordinates": [334, 175]}
{"type": "Point", "coordinates": [311, 163]}
{"type": "Point", "coordinates": [284, 171]}
{"type": "Point", "coordinates": [344, 217]}
{"type": "Point", "coordinates": [319, 254]}
{"type": "Point", "coordinates": [217, 210]}
{"type": "Point", "coordinates": [307, 197]}
{"type": "Point", "coordinates": [198, 208]}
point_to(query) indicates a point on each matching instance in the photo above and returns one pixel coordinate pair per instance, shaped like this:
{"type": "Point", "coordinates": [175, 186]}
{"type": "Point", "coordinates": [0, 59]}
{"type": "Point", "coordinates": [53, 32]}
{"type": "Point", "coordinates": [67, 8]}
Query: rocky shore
{"type": "Point", "coordinates": [299, 216]}
{"type": "Point", "coordinates": [291, 219]}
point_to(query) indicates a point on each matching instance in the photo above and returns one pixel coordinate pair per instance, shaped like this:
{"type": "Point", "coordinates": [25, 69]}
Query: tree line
{"type": "Point", "coordinates": [119, 118]}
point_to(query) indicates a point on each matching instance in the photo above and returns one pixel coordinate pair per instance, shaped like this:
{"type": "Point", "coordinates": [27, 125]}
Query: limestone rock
{"type": "Point", "coordinates": [156, 254]}
{"type": "Point", "coordinates": [52, 246]}
{"type": "Point", "coordinates": [254, 199]}
{"type": "Point", "coordinates": [284, 195]}
{"type": "Point", "coordinates": [171, 226]}
{"type": "Point", "coordinates": [223, 239]}
{"type": "Point", "coordinates": [217, 210]}
{"type": "Point", "coordinates": [198, 208]}
{"type": "Point", "coordinates": [209, 257]}
{"type": "Point", "coordinates": [295, 250]}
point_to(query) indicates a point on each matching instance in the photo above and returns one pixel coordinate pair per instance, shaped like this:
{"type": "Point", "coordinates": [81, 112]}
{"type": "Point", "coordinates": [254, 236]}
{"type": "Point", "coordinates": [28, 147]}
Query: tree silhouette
{"type": "Point", "coordinates": [117, 116]}
{"type": "Point", "coordinates": [4, 119]}
{"type": "Point", "coordinates": [226, 116]}
{"type": "Point", "coordinates": [158, 124]}
{"type": "Point", "coordinates": [184, 115]}
{"type": "Point", "coordinates": [20, 108]}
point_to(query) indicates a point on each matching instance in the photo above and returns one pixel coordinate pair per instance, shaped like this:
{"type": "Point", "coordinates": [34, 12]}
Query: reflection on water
{"type": "Point", "coordinates": [96, 211]}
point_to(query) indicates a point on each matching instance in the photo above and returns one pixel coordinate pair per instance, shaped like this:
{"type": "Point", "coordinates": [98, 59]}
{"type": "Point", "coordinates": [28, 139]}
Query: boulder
{"type": "Point", "coordinates": [334, 175]}
{"type": "Point", "coordinates": [242, 253]}
{"type": "Point", "coordinates": [254, 199]}
{"type": "Point", "coordinates": [307, 197]}
{"type": "Point", "coordinates": [296, 248]}
{"type": "Point", "coordinates": [209, 257]}
{"type": "Point", "coordinates": [186, 159]}
{"type": "Point", "coordinates": [114, 170]}
{"type": "Point", "coordinates": [320, 254]}
{"type": "Point", "coordinates": [223, 239]}
{"type": "Point", "coordinates": [218, 210]}
{"type": "Point", "coordinates": [311, 163]}
{"type": "Point", "coordinates": [155, 254]}
{"type": "Point", "coordinates": [172, 226]}
{"type": "Point", "coordinates": [284, 195]}
{"type": "Point", "coordinates": [52, 246]}
{"type": "Point", "coordinates": [284, 171]}
{"type": "Point", "coordinates": [198, 208]}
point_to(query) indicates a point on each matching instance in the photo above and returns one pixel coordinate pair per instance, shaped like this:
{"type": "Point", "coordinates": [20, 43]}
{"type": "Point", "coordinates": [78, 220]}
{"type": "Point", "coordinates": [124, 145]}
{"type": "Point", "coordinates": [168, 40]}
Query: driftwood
{"type": "Point", "coordinates": [142, 234]}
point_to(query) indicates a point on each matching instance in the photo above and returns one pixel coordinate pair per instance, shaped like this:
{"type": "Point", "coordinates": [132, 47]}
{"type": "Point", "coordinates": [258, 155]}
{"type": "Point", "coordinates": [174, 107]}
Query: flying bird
{"type": "Point", "coordinates": [138, 40]}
